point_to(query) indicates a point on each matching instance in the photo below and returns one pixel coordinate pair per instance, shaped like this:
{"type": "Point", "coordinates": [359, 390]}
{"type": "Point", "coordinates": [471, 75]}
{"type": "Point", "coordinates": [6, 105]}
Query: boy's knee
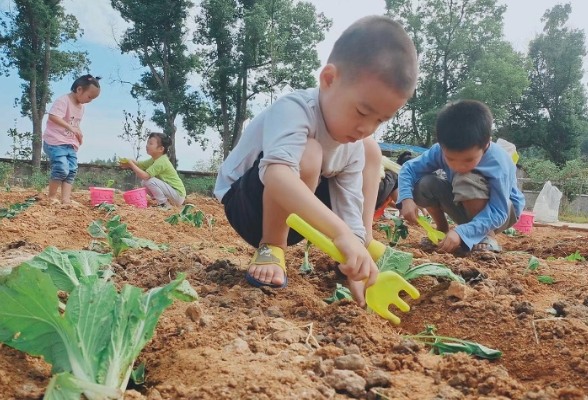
{"type": "Point", "coordinates": [428, 190]}
{"type": "Point", "coordinates": [470, 186]}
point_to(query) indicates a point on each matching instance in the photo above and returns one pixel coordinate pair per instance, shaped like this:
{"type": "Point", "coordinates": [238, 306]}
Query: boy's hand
{"type": "Point", "coordinates": [451, 242]}
{"type": "Point", "coordinates": [409, 211]}
{"type": "Point", "coordinates": [357, 289]}
{"type": "Point", "coordinates": [359, 264]}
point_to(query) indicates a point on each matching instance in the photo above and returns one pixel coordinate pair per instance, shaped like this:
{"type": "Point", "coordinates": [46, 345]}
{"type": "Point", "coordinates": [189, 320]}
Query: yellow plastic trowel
{"type": "Point", "coordinates": [388, 285]}
{"type": "Point", "coordinates": [433, 234]}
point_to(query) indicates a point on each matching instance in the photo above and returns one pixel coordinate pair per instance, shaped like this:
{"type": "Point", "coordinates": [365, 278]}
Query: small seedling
{"type": "Point", "coordinates": [545, 279]}
{"type": "Point", "coordinates": [512, 232]}
{"type": "Point", "coordinates": [340, 293]}
{"type": "Point", "coordinates": [109, 183]}
{"type": "Point", "coordinates": [448, 345]}
{"type": "Point", "coordinates": [306, 267]}
{"type": "Point", "coordinates": [575, 257]}
{"type": "Point", "coordinates": [393, 235]}
{"type": "Point", "coordinates": [119, 239]}
{"type": "Point", "coordinates": [104, 206]}
{"type": "Point", "coordinates": [192, 218]}
{"type": "Point", "coordinates": [16, 208]}
{"type": "Point", "coordinates": [533, 265]}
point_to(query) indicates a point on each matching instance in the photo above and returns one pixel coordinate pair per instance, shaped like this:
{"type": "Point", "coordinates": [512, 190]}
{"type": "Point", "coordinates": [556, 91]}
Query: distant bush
{"type": "Point", "coordinates": [123, 179]}
{"type": "Point", "coordinates": [6, 171]}
{"type": "Point", "coordinates": [203, 185]}
{"type": "Point", "coordinates": [571, 179]}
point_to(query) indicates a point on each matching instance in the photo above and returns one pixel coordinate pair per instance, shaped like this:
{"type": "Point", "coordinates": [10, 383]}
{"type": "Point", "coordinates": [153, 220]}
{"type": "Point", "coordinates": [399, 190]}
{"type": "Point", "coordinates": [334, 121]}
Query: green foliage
{"type": "Point", "coordinates": [545, 279]}
{"type": "Point", "coordinates": [400, 230]}
{"type": "Point", "coordinates": [448, 345]}
{"type": "Point", "coordinates": [340, 293]}
{"type": "Point", "coordinates": [109, 208]}
{"type": "Point", "coordinates": [22, 144]}
{"type": "Point", "coordinates": [203, 185]}
{"type": "Point", "coordinates": [157, 38]}
{"type": "Point", "coordinates": [14, 209]}
{"type": "Point", "coordinates": [134, 131]}
{"type": "Point", "coordinates": [92, 346]}
{"type": "Point", "coordinates": [32, 33]}
{"type": "Point", "coordinates": [189, 216]}
{"type": "Point", "coordinates": [306, 267]}
{"type": "Point", "coordinates": [39, 180]}
{"type": "Point", "coordinates": [399, 262]}
{"type": "Point", "coordinates": [532, 266]}
{"type": "Point", "coordinates": [6, 171]}
{"type": "Point", "coordinates": [251, 48]}
{"type": "Point", "coordinates": [84, 180]}
{"type": "Point", "coordinates": [575, 257]}
{"type": "Point", "coordinates": [461, 53]}
{"type": "Point", "coordinates": [119, 239]}
{"type": "Point", "coordinates": [571, 178]}
{"type": "Point", "coordinates": [552, 113]}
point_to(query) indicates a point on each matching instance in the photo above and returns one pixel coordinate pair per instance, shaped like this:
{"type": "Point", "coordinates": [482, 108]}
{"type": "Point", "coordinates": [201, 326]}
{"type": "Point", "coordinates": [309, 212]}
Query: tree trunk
{"type": "Point", "coordinates": [241, 109]}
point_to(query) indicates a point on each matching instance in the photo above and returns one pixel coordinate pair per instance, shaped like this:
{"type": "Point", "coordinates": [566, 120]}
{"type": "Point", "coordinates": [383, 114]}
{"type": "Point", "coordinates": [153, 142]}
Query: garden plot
{"type": "Point", "coordinates": [246, 343]}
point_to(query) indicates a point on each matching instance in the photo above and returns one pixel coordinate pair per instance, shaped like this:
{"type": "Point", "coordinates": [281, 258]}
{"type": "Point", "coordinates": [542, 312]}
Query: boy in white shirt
{"type": "Point", "coordinates": [311, 153]}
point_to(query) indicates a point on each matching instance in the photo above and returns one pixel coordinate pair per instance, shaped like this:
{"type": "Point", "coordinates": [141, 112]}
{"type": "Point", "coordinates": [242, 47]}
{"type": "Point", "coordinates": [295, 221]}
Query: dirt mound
{"type": "Point", "coordinates": [248, 343]}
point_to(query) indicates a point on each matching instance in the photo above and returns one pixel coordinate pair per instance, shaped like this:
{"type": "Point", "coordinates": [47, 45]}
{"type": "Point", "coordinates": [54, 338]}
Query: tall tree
{"type": "Point", "coordinates": [254, 47]}
{"type": "Point", "coordinates": [31, 35]}
{"type": "Point", "coordinates": [157, 36]}
{"type": "Point", "coordinates": [552, 113]}
{"type": "Point", "coordinates": [462, 54]}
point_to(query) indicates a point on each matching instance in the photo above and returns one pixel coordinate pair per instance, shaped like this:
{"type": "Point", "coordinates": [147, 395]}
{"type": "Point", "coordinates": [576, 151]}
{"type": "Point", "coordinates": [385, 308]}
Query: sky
{"type": "Point", "coordinates": [103, 119]}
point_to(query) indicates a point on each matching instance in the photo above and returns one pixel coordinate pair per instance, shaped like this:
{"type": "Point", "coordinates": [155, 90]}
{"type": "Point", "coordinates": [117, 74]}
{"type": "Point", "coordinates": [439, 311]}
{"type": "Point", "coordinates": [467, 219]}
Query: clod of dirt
{"type": "Point", "coordinates": [274, 312]}
{"type": "Point", "coordinates": [347, 381]}
{"type": "Point", "coordinates": [406, 346]}
{"type": "Point", "coordinates": [560, 306]}
{"type": "Point", "coordinates": [523, 307]}
{"type": "Point", "coordinates": [457, 290]}
{"type": "Point", "coordinates": [377, 378]}
{"type": "Point", "coordinates": [353, 362]}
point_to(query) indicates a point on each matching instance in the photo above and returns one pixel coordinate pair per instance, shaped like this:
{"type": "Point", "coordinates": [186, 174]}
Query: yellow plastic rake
{"type": "Point", "coordinates": [433, 234]}
{"type": "Point", "coordinates": [380, 295]}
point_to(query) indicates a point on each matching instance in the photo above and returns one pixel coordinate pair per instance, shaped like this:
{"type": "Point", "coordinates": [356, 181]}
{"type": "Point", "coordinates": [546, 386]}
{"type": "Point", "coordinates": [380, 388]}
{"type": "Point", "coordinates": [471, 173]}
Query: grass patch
{"type": "Point", "coordinates": [574, 218]}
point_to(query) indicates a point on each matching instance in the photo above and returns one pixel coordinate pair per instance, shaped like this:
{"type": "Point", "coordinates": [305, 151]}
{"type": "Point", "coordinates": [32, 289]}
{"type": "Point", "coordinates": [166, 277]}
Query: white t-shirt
{"type": "Point", "coordinates": [281, 132]}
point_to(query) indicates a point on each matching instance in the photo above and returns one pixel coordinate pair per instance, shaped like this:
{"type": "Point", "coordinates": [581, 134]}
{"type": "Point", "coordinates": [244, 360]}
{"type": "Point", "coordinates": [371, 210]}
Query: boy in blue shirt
{"type": "Point", "coordinates": [312, 153]}
{"type": "Point", "coordinates": [480, 193]}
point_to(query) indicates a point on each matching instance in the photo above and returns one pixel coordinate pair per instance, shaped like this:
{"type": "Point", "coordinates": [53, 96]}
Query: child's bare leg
{"type": "Point", "coordinates": [53, 187]}
{"type": "Point", "coordinates": [371, 182]}
{"type": "Point", "coordinates": [275, 230]}
{"type": "Point", "coordinates": [439, 217]}
{"type": "Point", "coordinates": [66, 192]}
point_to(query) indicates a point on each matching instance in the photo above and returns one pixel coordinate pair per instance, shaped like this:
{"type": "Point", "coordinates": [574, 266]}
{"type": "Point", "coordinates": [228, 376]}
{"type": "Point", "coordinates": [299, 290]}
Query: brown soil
{"type": "Point", "coordinates": [239, 342]}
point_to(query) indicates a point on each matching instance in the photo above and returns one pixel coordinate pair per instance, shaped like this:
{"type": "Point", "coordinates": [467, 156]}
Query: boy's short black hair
{"type": "Point", "coordinates": [163, 140]}
{"type": "Point", "coordinates": [404, 157]}
{"type": "Point", "coordinates": [464, 124]}
{"type": "Point", "coordinates": [85, 81]}
{"type": "Point", "coordinates": [379, 46]}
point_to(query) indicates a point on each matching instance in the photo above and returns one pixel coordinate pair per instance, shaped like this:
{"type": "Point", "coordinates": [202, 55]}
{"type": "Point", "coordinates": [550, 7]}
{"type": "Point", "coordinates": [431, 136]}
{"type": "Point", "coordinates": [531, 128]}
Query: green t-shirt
{"type": "Point", "coordinates": [163, 169]}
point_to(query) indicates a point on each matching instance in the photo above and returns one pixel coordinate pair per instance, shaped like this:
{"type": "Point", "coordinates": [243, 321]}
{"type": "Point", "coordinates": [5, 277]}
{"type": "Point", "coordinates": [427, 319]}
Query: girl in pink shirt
{"type": "Point", "coordinates": [62, 136]}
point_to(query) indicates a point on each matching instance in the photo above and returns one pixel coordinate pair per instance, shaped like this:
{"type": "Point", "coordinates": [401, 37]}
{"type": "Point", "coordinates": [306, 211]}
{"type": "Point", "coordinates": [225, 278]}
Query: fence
{"type": "Point", "coordinates": [22, 173]}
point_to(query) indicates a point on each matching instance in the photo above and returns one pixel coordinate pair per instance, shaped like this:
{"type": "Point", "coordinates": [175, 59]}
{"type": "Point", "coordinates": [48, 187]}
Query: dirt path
{"type": "Point", "coordinates": [245, 343]}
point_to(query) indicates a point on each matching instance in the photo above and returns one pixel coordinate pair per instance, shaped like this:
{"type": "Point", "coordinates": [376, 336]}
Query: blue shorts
{"type": "Point", "coordinates": [64, 162]}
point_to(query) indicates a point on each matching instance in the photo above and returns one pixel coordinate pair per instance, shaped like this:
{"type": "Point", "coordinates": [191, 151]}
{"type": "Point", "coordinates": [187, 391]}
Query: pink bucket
{"type": "Point", "coordinates": [525, 223]}
{"type": "Point", "coordinates": [136, 197]}
{"type": "Point", "coordinates": [100, 195]}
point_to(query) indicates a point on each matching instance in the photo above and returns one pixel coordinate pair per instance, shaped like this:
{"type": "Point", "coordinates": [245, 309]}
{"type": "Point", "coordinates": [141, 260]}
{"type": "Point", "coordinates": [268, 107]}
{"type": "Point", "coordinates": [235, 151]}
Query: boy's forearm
{"type": "Point", "coordinates": [290, 192]}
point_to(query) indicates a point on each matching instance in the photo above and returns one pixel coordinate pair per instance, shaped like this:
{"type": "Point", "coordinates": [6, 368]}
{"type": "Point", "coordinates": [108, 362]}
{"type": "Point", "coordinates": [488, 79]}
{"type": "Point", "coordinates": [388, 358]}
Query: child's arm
{"type": "Point", "coordinates": [283, 185]}
{"type": "Point", "coordinates": [57, 120]}
{"type": "Point", "coordinates": [144, 176]}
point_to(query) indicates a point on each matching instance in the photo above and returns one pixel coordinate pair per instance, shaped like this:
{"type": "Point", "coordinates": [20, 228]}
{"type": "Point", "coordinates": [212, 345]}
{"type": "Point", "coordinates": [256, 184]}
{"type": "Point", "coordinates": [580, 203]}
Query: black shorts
{"type": "Point", "coordinates": [387, 186]}
{"type": "Point", "coordinates": [244, 206]}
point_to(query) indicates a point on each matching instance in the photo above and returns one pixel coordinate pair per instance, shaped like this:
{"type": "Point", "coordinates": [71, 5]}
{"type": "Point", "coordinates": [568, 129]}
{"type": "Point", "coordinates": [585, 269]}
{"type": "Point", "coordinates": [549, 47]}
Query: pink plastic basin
{"type": "Point", "coordinates": [136, 197]}
{"type": "Point", "coordinates": [525, 223]}
{"type": "Point", "coordinates": [99, 195]}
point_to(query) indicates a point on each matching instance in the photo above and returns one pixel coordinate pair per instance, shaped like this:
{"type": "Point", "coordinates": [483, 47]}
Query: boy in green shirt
{"type": "Point", "coordinates": [158, 175]}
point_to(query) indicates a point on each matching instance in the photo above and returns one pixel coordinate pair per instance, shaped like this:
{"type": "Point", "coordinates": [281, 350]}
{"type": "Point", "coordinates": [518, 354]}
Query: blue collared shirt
{"type": "Point", "coordinates": [496, 166]}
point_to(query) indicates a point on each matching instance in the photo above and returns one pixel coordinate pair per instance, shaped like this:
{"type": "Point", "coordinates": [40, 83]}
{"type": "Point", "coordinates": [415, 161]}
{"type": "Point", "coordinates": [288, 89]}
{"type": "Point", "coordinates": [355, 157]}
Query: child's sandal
{"type": "Point", "coordinates": [264, 255]}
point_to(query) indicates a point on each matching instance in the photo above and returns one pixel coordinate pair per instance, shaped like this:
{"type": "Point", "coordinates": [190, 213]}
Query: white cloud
{"type": "Point", "coordinates": [101, 23]}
